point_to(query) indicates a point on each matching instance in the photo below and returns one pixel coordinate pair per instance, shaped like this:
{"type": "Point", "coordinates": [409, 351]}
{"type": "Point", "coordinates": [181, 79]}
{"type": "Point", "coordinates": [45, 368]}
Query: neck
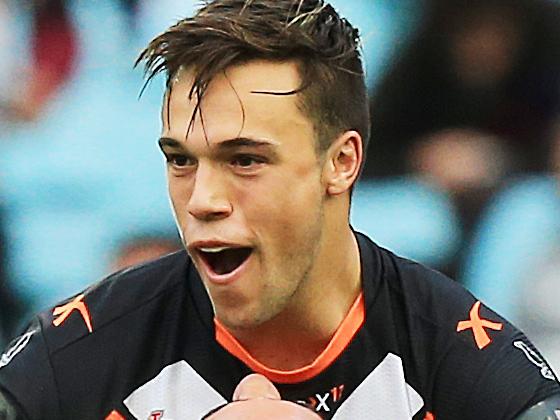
{"type": "Point", "coordinates": [299, 334]}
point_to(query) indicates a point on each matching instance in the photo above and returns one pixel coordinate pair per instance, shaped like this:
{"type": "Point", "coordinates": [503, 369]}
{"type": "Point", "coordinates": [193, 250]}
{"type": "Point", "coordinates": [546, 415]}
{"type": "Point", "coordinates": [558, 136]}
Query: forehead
{"type": "Point", "coordinates": [255, 98]}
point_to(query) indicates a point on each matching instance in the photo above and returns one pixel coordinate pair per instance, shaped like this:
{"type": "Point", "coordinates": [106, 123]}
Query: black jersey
{"type": "Point", "coordinates": [143, 344]}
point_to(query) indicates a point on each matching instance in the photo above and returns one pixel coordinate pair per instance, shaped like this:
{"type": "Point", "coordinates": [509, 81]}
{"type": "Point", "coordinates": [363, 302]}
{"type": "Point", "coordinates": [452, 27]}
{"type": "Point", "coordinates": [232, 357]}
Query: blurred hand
{"type": "Point", "coordinates": [256, 398]}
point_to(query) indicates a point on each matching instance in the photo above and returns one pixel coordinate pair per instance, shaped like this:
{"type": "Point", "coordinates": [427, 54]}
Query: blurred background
{"type": "Point", "coordinates": [463, 169]}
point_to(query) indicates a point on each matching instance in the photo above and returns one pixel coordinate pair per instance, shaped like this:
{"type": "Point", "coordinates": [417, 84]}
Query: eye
{"type": "Point", "coordinates": [247, 161]}
{"type": "Point", "coordinates": [179, 161]}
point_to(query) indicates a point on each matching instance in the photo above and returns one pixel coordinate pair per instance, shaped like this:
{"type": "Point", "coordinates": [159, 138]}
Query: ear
{"type": "Point", "coordinates": [342, 165]}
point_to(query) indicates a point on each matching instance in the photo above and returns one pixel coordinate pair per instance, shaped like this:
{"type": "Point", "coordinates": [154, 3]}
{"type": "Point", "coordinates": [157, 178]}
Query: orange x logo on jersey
{"type": "Point", "coordinates": [477, 324]}
{"type": "Point", "coordinates": [65, 310]}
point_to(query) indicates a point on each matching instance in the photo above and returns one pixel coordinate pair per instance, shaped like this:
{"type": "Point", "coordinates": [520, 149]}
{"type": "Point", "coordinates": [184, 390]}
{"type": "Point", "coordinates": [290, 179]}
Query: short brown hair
{"type": "Point", "coordinates": [224, 33]}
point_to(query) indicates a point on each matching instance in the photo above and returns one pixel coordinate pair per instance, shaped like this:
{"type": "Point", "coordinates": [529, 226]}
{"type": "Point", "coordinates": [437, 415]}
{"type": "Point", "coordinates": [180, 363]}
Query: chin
{"type": "Point", "coordinates": [241, 320]}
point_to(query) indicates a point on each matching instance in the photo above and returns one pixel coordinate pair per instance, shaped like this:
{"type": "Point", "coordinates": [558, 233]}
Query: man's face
{"type": "Point", "coordinates": [246, 189]}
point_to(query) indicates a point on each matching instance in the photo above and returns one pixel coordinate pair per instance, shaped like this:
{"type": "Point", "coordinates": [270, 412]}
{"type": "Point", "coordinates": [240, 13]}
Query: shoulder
{"type": "Point", "coordinates": [123, 303]}
{"type": "Point", "coordinates": [101, 305]}
{"type": "Point", "coordinates": [416, 289]}
{"type": "Point", "coordinates": [112, 298]}
{"type": "Point", "coordinates": [463, 353]}
{"type": "Point", "coordinates": [445, 311]}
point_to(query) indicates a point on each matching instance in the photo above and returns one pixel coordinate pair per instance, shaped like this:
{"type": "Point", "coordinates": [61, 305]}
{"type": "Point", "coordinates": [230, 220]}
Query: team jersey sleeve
{"type": "Point", "coordinates": [516, 378]}
{"type": "Point", "coordinates": [26, 376]}
{"type": "Point", "coordinates": [491, 371]}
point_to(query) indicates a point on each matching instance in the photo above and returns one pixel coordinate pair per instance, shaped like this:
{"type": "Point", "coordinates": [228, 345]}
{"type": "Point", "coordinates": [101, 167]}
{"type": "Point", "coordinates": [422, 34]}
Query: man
{"type": "Point", "coordinates": [264, 129]}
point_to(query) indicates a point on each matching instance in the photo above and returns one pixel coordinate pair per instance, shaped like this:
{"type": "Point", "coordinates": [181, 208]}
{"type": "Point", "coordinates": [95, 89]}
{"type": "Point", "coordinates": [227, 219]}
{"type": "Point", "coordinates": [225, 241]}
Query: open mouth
{"type": "Point", "coordinates": [224, 260]}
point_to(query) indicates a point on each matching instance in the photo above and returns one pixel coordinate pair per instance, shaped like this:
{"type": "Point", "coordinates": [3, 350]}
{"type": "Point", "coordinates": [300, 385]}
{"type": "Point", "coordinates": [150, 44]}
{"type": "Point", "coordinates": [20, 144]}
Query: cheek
{"type": "Point", "coordinates": [179, 193]}
{"type": "Point", "coordinates": [284, 207]}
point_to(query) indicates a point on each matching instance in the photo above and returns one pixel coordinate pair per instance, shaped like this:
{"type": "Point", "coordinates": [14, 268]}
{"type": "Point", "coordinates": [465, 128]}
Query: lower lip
{"type": "Point", "coordinates": [225, 279]}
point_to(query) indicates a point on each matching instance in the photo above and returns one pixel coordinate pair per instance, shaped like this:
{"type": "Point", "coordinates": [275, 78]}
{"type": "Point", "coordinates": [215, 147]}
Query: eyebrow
{"type": "Point", "coordinates": [226, 144]}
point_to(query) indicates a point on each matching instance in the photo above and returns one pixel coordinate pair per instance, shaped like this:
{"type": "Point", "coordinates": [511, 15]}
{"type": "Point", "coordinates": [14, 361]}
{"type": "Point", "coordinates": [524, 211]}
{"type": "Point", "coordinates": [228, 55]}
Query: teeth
{"type": "Point", "coordinates": [214, 250]}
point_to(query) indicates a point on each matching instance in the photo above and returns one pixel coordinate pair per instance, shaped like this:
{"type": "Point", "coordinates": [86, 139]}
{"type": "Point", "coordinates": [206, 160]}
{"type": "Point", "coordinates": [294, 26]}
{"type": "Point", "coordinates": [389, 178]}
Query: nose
{"type": "Point", "coordinates": [209, 199]}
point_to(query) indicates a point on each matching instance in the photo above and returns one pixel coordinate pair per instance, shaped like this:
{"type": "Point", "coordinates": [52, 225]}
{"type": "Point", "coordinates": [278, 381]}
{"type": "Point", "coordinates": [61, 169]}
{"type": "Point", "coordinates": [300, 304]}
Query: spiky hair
{"type": "Point", "coordinates": [224, 33]}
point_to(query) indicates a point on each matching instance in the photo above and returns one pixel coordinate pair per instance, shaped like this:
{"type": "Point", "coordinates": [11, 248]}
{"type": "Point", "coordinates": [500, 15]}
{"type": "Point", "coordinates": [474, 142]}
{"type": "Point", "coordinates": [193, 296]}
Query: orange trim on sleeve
{"type": "Point", "coordinates": [341, 339]}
